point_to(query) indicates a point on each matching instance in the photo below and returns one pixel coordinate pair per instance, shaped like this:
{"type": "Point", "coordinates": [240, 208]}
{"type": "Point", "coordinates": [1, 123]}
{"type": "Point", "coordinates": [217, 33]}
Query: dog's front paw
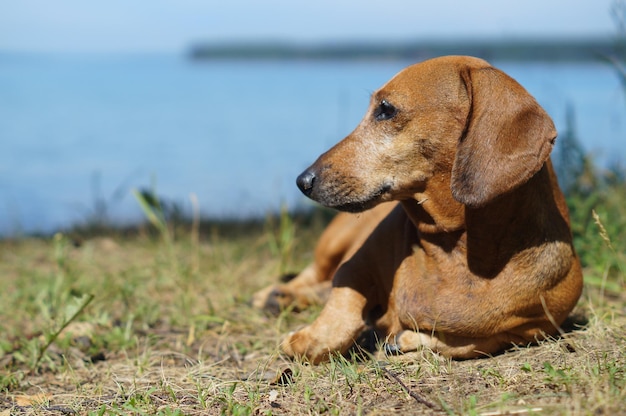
{"type": "Point", "coordinates": [273, 299]}
{"type": "Point", "coordinates": [300, 345]}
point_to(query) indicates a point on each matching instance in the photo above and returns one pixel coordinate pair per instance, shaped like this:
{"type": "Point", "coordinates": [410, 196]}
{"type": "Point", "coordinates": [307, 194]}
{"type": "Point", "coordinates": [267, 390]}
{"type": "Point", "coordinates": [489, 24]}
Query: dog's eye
{"type": "Point", "coordinates": [384, 111]}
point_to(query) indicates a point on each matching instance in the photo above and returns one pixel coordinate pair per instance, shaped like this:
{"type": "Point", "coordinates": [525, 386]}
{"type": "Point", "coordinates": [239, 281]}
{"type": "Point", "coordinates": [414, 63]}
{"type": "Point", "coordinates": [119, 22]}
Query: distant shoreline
{"type": "Point", "coordinates": [546, 50]}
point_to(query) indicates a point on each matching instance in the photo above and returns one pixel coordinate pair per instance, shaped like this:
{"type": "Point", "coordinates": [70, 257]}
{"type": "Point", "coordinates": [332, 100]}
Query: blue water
{"type": "Point", "coordinates": [74, 129]}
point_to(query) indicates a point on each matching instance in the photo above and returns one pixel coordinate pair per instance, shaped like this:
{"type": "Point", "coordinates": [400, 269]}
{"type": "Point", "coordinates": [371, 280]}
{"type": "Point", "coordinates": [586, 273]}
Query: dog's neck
{"type": "Point", "coordinates": [433, 210]}
{"type": "Point", "coordinates": [490, 234]}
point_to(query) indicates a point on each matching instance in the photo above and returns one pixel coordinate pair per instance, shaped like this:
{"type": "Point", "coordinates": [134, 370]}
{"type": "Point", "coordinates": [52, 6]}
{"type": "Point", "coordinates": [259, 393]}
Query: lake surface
{"type": "Point", "coordinates": [79, 129]}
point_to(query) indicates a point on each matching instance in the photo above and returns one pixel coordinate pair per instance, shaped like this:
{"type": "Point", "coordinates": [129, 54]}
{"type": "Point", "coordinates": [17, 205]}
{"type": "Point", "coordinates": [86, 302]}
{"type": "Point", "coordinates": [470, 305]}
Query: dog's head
{"type": "Point", "coordinates": [456, 119]}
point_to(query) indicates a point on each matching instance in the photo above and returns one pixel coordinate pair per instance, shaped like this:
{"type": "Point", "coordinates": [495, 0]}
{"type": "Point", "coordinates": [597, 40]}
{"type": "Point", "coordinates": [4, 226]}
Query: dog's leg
{"type": "Point", "coordinates": [453, 346]}
{"type": "Point", "coordinates": [360, 284]}
{"type": "Point", "coordinates": [335, 330]}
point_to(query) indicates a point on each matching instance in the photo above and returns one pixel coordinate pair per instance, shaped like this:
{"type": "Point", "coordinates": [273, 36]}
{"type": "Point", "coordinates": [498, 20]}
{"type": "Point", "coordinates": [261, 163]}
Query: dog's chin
{"type": "Point", "coordinates": [357, 205]}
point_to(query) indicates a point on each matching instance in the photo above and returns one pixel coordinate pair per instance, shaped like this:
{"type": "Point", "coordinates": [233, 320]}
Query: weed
{"type": "Point", "coordinates": [282, 238]}
{"type": "Point", "coordinates": [70, 313]}
{"type": "Point", "coordinates": [559, 377]}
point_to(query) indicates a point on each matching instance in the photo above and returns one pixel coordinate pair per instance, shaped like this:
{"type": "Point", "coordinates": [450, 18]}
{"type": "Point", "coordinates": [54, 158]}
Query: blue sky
{"type": "Point", "coordinates": [161, 25]}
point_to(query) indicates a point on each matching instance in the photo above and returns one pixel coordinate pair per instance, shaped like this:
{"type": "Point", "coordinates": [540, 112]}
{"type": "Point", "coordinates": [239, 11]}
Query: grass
{"type": "Point", "coordinates": [160, 323]}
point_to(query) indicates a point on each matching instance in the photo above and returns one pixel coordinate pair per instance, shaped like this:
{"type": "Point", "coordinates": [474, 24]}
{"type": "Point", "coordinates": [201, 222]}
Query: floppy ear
{"type": "Point", "coordinates": [508, 138]}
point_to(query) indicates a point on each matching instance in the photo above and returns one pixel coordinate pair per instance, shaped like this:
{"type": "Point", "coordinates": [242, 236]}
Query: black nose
{"type": "Point", "coordinates": [305, 182]}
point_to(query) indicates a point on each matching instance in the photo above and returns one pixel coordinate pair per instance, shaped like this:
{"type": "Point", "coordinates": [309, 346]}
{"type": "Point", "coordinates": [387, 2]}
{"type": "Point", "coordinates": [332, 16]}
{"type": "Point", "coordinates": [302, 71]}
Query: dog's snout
{"type": "Point", "coordinates": [305, 182]}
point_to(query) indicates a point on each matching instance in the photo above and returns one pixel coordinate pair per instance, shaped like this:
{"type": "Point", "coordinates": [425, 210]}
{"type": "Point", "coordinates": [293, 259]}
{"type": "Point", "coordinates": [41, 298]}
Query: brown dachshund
{"type": "Point", "coordinates": [476, 256]}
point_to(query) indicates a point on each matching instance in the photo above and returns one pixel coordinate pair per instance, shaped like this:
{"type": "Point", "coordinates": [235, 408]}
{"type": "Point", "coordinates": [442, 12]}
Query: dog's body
{"type": "Point", "coordinates": [475, 257]}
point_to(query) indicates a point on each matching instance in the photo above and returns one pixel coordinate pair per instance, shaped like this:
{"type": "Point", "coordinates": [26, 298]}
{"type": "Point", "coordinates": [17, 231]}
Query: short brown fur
{"type": "Point", "coordinates": [476, 256]}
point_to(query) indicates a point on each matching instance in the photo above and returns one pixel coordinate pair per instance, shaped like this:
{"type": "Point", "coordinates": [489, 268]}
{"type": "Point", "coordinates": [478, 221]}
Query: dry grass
{"type": "Point", "coordinates": [170, 331]}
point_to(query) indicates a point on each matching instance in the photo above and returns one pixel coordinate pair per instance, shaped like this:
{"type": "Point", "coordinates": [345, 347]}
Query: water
{"type": "Point", "coordinates": [78, 129]}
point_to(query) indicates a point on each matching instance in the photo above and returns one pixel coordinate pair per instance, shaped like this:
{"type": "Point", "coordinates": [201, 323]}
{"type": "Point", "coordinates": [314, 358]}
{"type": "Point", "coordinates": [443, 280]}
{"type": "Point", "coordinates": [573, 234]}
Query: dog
{"type": "Point", "coordinates": [474, 256]}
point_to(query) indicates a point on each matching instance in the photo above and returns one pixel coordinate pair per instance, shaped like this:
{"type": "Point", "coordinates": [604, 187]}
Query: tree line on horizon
{"type": "Point", "coordinates": [548, 50]}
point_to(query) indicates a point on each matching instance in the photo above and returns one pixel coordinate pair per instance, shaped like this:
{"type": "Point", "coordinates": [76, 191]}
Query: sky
{"type": "Point", "coordinates": [170, 26]}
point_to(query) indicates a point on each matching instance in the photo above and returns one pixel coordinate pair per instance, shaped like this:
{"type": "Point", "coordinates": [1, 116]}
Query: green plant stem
{"type": "Point", "coordinates": [55, 335]}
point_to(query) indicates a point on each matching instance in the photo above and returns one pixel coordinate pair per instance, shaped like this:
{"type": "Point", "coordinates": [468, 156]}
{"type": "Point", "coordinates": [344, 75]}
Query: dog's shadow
{"type": "Point", "coordinates": [578, 320]}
